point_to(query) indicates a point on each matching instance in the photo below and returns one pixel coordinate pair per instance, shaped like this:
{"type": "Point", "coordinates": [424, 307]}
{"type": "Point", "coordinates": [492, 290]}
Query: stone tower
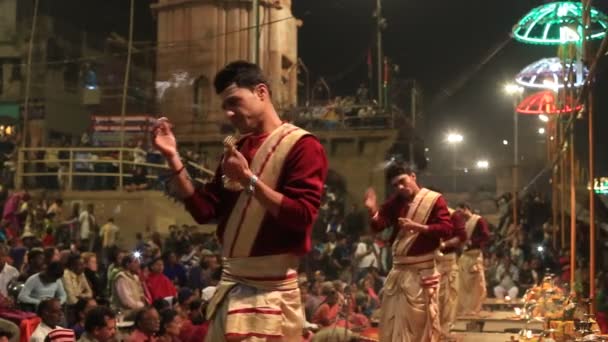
{"type": "Point", "coordinates": [196, 38]}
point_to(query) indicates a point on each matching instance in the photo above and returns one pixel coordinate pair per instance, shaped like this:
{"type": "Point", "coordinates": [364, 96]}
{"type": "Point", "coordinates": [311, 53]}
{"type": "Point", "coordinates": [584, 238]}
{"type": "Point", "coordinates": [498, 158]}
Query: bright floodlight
{"type": "Point", "coordinates": [483, 164]}
{"type": "Point", "coordinates": [455, 138]}
{"type": "Point", "coordinates": [513, 89]}
{"type": "Point", "coordinates": [543, 118]}
{"type": "Point", "coordinates": [541, 130]}
{"type": "Point", "coordinates": [505, 142]}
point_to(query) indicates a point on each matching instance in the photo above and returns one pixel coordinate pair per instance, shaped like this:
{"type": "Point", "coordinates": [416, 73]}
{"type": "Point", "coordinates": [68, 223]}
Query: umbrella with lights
{"type": "Point", "coordinates": [558, 23]}
{"type": "Point", "coordinates": [545, 102]}
{"type": "Point", "coordinates": [549, 73]}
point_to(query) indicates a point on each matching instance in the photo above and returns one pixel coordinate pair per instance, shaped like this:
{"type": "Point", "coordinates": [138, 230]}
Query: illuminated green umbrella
{"type": "Point", "coordinates": [558, 23]}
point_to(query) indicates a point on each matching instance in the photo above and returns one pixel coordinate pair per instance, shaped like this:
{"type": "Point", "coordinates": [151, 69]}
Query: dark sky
{"type": "Point", "coordinates": [436, 42]}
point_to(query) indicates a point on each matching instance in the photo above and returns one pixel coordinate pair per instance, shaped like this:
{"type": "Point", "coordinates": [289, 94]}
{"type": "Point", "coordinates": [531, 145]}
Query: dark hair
{"type": "Point", "coordinates": [34, 253]}
{"type": "Point", "coordinates": [464, 205]}
{"type": "Point", "coordinates": [80, 305]}
{"type": "Point", "coordinates": [96, 318]}
{"type": "Point", "coordinates": [55, 270]}
{"type": "Point", "coordinates": [73, 259]}
{"type": "Point", "coordinates": [44, 305]}
{"type": "Point", "coordinates": [241, 73]}
{"type": "Point", "coordinates": [166, 317]}
{"type": "Point", "coordinates": [398, 169]}
{"type": "Point", "coordinates": [49, 252]}
{"type": "Point", "coordinates": [127, 260]}
{"type": "Point", "coordinates": [139, 316]}
{"type": "Point", "coordinates": [160, 304]}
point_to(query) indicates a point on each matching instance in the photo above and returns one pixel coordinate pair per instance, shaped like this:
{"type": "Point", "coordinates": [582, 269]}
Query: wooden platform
{"type": "Point", "coordinates": [495, 322]}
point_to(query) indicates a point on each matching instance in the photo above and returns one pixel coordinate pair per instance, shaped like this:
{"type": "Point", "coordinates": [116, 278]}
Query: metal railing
{"type": "Point", "coordinates": [106, 168]}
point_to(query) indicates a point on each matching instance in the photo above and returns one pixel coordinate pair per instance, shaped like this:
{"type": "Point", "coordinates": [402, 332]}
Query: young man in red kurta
{"type": "Point", "coordinates": [265, 221]}
{"type": "Point", "coordinates": [420, 221]}
{"type": "Point", "coordinates": [472, 281]}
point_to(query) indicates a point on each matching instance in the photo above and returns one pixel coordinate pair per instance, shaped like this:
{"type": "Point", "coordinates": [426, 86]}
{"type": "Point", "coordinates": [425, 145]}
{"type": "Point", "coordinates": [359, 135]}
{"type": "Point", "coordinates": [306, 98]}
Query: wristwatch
{"type": "Point", "coordinates": [251, 187]}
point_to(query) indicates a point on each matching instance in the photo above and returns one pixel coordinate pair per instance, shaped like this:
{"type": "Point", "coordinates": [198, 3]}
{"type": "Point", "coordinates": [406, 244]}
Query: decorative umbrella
{"type": "Point", "coordinates": [544, 102]}
{"type": "Point", "coordinates": [558, 23]}
{"type": "Point", "coordinates": [549, 73]}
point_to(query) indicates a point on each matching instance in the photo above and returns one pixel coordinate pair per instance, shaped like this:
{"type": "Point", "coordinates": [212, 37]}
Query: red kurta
{"type": "Point", "coordinates": [458, 221]}
{"type": "Point", "coordinates": [439, 223]}
{"type": "Point", "coordinates": [481, 234]}
{"type": "Point", "coordinates": [160, 286]}
{"type": "Point", "coordinates": [301, 183]}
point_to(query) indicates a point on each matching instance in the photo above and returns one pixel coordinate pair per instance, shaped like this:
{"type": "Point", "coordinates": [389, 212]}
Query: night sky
{"type": "Point", "coordinates": [436, 42]}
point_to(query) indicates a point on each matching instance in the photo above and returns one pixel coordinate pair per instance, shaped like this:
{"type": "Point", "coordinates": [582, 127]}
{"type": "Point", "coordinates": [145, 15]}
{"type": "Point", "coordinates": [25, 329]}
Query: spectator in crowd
{"type": "Point", "coordinates": [170, 326]}
{"type": "Point", "coordinates": [184, 298]}
{"type": "Point", "coordinates": [507, 276]}
{"type": "Point", "coordinates": [99, 325]}
{"type": "Point", "coordinates": [34, 263]}
{"type": "Point", "coordinates": [91, 272]}
{"type": "Point", "coordinates": [51, 314]}
{"type": "Point", "coordinates": [87, 225]}
{"type": "Point", "coordinates": [109, 238]}
{"type": "Point", "coordinates": [81, 309]}
{"type": "Point", "coordinates": [158, 284]}
{"type": "Point", "coordinates": [139, 180]}
{"type": "Point", "coordinates": [128, 291]}
{"type": "Point", "coordinates": [175, 271]}
{"type": "Point", "coordinates": [51, 254]}
{"type": "Point", "coordinates": [7, 272]}
{"type": "Point", "coordinates": [147, 324]}
{"type": "Point", "coordinates": [46, 284]}
{"type": "Point", "coordinates": [195, 328]}
{"type": "Point", "coordinates": [328, 311]}
{"type": "Point", "coordinates": [75, 282]}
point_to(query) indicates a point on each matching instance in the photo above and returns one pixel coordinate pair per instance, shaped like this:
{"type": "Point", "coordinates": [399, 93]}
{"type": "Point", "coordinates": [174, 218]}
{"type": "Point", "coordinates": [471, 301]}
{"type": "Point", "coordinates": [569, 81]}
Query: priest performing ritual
{"type": "Point", "coordinates": [265, 196]}
{"type": "Point", "coordinates": [420, 221]}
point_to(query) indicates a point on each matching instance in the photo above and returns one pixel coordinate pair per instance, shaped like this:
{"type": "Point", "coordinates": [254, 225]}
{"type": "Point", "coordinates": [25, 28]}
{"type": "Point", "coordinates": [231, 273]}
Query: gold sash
{"type": "Point", "coordinates": [470, 225]}
{"type": "Point", "coordinates": [419, 212]}
{"type": "Point", "coordinates": [246, 217]}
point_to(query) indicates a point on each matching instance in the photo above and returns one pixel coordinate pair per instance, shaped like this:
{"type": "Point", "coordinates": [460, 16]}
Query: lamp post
{"type": "Point", "coordinates": [454, 139]}
{"type": "Point", "coordinates": [515, 92]}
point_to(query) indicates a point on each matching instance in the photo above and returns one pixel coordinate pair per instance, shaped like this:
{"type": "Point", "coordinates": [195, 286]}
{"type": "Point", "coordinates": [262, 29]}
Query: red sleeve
{"type": "Point", "coordinates": [303, 184]}
{"type": "Point", "coordinates": [386, 216]}
{"type": "Point", "coordinates": [481, 234]}
{"type": "Point", "coordinates": [203, 204]}
{"type": "Point", "coordinates": [440, 222]}
{"type": "Point", "coordinates": [459, 223]}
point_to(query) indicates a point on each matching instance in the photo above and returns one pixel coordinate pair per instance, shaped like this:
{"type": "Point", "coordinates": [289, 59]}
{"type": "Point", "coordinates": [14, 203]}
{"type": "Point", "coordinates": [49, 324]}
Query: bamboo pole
{"type": "Point", "coordinates": [562, 187]}
{"type": "Point", "coordinates": [572, 209]}
{"type": "Point", "coordinates": [28, 76]}
{"type": "Point", "coordinates": [125, 86]}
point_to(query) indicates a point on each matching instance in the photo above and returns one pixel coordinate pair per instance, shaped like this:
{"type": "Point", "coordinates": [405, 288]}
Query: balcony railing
{"type": "Point", "coordinates": [88, 168]}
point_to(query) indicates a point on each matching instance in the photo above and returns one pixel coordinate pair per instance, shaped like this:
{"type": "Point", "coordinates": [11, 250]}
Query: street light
{"type": "Point", "coordinates": [513, 89]}
{"type": "Point", "coordinates": [541, 131]}
{"type": "Point", "coordinates": [505, 142]}
{"type": "Point", "coordinates": [454, 139]}
{"type": "Point", "coordinates": [483, 164]}
{"type": "Point", "coordinates": [543, 118]}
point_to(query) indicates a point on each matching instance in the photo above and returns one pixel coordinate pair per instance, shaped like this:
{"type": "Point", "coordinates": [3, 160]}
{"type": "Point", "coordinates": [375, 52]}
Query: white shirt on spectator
{"type": "Point", "coordinates": [85, 220]}
{"type": "Point", "coordinates": [41, 332]}
{"type": "Point", "coordinates": [8, 273]}
{"type": "Point", "coordinates": [369, 260]}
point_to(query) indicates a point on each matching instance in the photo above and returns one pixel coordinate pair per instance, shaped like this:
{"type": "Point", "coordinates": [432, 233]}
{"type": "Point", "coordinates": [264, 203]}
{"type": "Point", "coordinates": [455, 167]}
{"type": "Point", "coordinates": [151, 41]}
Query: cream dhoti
{"type": "Point", "coordinates": [448, 289]}
{"type": "Point", "coordinates": [257, 299]}
{"type": "Point", "coordinates": [472, 282]}
{"type": "Point", "coordinates": [409, 311]}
